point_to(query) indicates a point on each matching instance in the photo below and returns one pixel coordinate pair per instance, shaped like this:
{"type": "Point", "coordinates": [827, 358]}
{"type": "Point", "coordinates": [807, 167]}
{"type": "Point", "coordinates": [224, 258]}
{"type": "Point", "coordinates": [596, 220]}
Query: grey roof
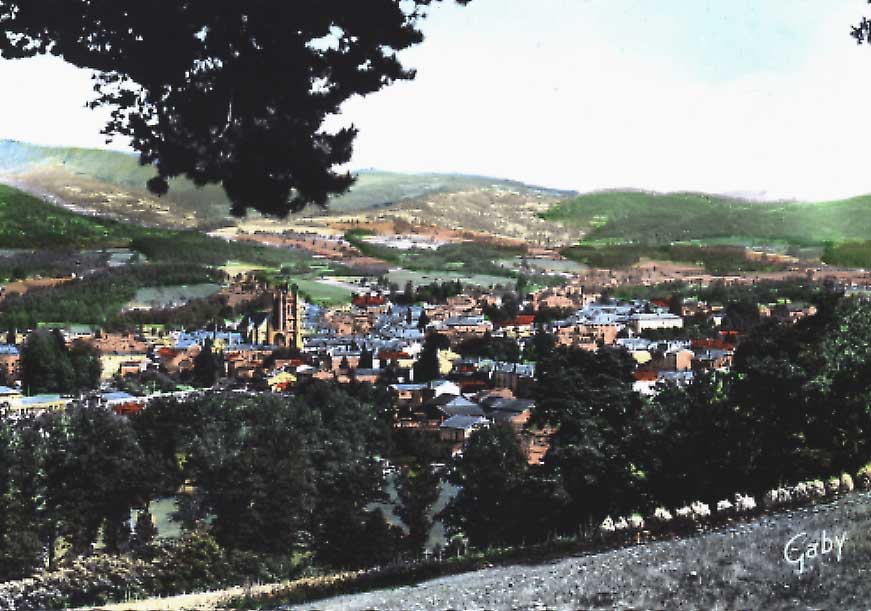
{"type": "Point", "coordinates": [462, 422]}
{"type": "Point", "coordinates": [463, 410]}
{"type": "Point", "coordinates": [368, 372]}
{"type": "Point", "coordinates": [515, 406]}
{"type": "Point", "coordinates": [451, 400]}
{"type": "Point", "coordinates": [117, 396]}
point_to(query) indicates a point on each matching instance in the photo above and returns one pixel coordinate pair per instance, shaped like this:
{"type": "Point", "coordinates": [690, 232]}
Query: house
{"type": "Point", "coordinates": [370, 301]}
{"type": "Point", "coordinates": [10, 362]}
{"type": "Point", "coordinates": [446, 406]}
{"type": "Point", "coordinates": [122, 364]}
{"type": "Point", "coordinates": [122, 403]}
{"type": "Point", "coordinates": [645, 382]}
{"type": "Point", "coordinates": [655, 321]}
{"type": "Point", "coordinates": [522, 325]}
{"type": "Point", "coordinates": [515, 376]}
{"type": "Point", "coordinates": [8, 397]}
{"type": "Point", "coordinates": [456, 430]}
{"type": "Point", "coordinates": [367, 375]}
{"type": "Point", "coordinates": [120, 352]}
{"type": "Point", "coordinates": [39, 404]}
{"type": "Point", "coordinates": [515, 412]}
{"type": "Point", "coordinates": [462, 327]}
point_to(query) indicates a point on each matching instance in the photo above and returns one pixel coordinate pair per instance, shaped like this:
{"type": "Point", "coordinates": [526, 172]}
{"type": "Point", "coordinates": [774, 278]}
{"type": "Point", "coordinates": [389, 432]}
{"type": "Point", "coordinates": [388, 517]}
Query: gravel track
{"type": "Point", "coordinates": [738, 567]}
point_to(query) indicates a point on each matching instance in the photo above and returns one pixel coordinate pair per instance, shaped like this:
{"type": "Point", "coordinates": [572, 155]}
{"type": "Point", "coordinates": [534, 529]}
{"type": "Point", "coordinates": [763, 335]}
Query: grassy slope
{"type": "Point", "coordinates": [629, 216]}
{"type": "Point", "coordinates": [28, 222]}
{"type": "Point", "coordinates": [739, 567]}
{"type": "Point", "coordinates": [373, 189]}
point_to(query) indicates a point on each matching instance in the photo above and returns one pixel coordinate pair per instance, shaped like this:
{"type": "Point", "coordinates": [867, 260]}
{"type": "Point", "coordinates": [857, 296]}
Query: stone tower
{"type": "Point", "coordinates": [286, 324]}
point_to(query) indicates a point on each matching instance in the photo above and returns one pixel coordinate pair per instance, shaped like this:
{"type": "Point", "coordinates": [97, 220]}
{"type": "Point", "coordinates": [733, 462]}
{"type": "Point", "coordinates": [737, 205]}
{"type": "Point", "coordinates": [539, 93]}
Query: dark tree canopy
{"type": "Point", "coordinates": [227, 92]}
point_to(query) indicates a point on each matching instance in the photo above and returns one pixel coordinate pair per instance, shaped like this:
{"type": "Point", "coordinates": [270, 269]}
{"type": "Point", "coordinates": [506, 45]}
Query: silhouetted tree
{"type": "Point", "coordinates": [422, 321]}
{"type": "Point", "coordinates": [227, 92]}
{"type": "Point", "coordinates": [501, 500]}
{"type": "Point", "coordinates": [206, 370]}
{"type": "Point", "coordinates": [426, 368]}
{"type": "Point", "coordinates": [418, 490]}
{"type": "Point", "coordinates": [588, 398]}
{"type": "Point", "coordinates": [48, 367]}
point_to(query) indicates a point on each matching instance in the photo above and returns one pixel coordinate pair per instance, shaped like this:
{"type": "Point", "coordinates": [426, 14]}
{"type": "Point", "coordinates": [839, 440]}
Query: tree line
{"type": "Point", "coordinates": [96, 298]}
{"type": "Point", "coordinates": [794, 406]}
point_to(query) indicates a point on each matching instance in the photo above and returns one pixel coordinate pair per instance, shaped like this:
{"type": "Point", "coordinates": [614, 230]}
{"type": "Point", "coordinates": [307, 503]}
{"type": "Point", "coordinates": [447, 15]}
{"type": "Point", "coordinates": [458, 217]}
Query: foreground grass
{"type": "Point", "coordinates": [738, 566]}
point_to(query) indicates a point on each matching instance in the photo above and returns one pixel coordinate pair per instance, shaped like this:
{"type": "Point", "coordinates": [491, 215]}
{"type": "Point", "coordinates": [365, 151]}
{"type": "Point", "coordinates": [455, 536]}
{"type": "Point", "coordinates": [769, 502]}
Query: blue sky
{"type": "Point", "coordinates": [765, 97]}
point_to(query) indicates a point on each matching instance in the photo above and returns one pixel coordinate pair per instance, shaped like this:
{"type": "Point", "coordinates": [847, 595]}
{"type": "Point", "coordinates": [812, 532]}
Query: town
{"type": "Point", "coordinates": [454, 364]}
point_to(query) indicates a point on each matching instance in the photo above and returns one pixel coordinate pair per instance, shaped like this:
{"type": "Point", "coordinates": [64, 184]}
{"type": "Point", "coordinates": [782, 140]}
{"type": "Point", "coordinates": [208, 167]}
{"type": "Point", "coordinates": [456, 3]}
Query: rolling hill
{"type": "Point", "coordinates": [29, 223]}
{"type": "Point", "coordinates": [652, 218]}
{"type": "Point", "coordinates": [113, 183]}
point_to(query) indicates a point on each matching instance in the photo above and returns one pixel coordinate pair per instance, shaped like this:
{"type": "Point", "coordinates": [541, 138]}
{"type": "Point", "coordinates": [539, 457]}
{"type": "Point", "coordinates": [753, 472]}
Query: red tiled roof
{"type": "Point", "coordinates": [368, 300]}
{"type": "Point", "coordinates": [524, 320]}
{"type": "Point", "coordinates": [715, 344]}
{"type": "Point", "coordinates": [645, 376]}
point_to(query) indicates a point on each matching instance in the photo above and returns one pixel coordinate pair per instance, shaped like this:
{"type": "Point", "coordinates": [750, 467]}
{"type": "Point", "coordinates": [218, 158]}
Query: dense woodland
{"type": "Point", "coordinates": [96, 298]}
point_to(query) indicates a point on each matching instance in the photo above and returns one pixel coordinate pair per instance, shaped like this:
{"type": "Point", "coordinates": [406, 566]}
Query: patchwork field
{"type": "Point", "coordinates": [171, 296]}
{"type": "Point", "coordinates": [401, 276]}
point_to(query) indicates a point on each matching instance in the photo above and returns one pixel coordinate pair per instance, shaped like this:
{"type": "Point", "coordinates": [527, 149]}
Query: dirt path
{"type": "Point", "coordinates": [203, 601]}
{"type": "Point", "coordinates": [739, 567]}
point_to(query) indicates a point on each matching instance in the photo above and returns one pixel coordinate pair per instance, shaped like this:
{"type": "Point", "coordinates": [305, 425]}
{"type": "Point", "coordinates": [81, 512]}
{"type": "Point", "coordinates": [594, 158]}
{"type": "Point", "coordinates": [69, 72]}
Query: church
{"type": "Point", "coordinates": [282, 327]}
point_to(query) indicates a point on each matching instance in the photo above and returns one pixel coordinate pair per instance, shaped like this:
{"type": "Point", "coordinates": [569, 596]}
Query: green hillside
{"type": "Point", "coordinates": [648, 218]}
{"type": "Point", "coordinates": [92, 171]}
{"type": "Point", "coordinates": [30, 223]}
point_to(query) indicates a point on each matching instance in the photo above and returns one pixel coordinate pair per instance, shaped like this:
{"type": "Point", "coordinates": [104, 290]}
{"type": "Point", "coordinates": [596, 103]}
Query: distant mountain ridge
{"type": "Point", "coordinates": [113, 182]}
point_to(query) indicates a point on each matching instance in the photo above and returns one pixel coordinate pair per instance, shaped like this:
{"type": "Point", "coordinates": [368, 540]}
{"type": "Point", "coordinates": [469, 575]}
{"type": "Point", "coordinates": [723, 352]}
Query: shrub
{"type": "Point", "coordinates": [700, 511]}
{"type": "Point", "coordinates": [801, 492]}
{"type": "Point", "coordinates": [744, 504]}
{"type": "Point", "coordinates": [846, 483]}
{"type": "Point", "coordinates": [817, 489]}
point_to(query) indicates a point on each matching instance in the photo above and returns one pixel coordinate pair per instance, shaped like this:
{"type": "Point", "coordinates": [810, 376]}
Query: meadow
{"type": "Point", "coordinates": [465, 258]}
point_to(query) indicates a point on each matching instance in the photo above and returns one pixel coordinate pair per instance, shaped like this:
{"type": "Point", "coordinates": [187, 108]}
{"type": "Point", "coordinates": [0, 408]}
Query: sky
{"type": "Point", "coordinates": [761, 98]}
